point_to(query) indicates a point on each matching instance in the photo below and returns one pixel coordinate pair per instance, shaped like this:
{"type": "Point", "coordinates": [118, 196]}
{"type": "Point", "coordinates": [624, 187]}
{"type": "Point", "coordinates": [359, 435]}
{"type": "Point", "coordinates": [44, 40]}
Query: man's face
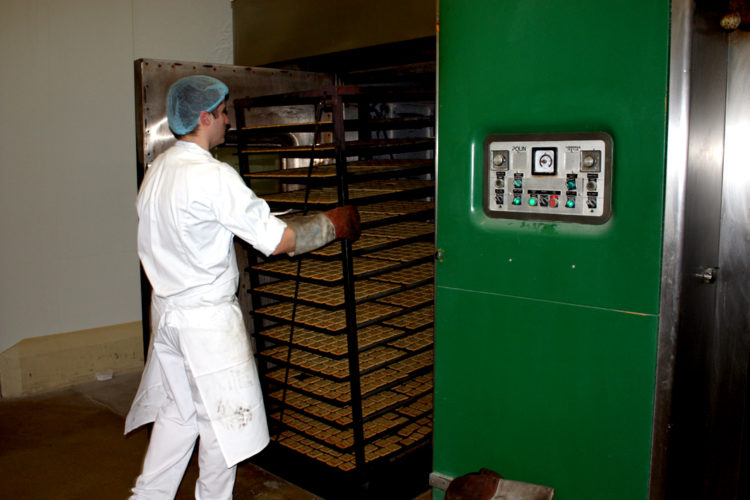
{"type": "Point", "coordinates": [218, 126]}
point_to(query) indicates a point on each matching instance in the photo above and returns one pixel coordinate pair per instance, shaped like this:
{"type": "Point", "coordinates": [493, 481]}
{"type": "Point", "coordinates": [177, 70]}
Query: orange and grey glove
{"type": "Point", "coordinates": [346, 221]}
{"type": "Point", "coordinates": [314, 231]}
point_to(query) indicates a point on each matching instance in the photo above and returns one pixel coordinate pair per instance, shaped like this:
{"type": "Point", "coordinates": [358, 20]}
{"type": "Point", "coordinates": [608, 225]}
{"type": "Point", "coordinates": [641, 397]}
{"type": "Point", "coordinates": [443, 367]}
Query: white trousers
{"type": "Point", "coordinates": [173, 440]}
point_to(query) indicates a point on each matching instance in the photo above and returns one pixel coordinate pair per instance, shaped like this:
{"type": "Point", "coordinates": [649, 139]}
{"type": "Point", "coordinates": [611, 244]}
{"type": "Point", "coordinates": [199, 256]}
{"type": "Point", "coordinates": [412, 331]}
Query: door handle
{"type": "Point", "coordinates": [707, 274]}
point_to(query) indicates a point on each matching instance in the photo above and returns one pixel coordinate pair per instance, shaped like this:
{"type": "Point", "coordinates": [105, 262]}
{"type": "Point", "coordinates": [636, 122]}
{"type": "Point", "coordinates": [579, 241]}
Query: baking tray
{"type": "Point", "coordinates": [353, 148]}
{"type": "Point", "coordinates": [324, 319]}
{"type": "Point", "coordinates": [410, 276]}
{"type": "Point", "coordinates": [411, 298]}
{"type": "Point", "coordinates": [414, 320]}
{"type": "Point", "coordinates": [338, 368]}
{"type": "Point", "coordinates": [359, 193]}
{"type": "Point", "coordinates": [339, 392]}
{"type": "Point", "coordinates": [331, 296]}
{"type": "Point", "coordinates": [360, 168]}
{"type": "Point", "coordinates": [332, 345]}
{"type": "Point", "coordinates": [330, 272]}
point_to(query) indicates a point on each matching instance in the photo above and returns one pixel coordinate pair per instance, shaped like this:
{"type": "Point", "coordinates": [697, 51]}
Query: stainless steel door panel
{"type": "Point", "coordinates": [733, 288]}
{"type": "Point", "coordinates": [700, 410]}
{"type": "Point", "coordinates": [154, 77]}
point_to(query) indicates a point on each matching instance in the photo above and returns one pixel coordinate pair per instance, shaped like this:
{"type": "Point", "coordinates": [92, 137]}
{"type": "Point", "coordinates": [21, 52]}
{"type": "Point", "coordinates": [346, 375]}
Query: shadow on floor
{"type": "Point", "coordinates": [69, 445]}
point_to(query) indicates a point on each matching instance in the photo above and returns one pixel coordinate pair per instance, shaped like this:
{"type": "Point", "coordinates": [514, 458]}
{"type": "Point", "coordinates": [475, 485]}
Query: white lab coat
{"type": "Point", "coordinates": [189, 207]}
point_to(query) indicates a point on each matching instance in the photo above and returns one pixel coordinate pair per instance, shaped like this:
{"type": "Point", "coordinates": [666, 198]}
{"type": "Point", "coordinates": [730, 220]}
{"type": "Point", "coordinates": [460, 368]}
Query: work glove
{"type": "Point", "coordinates": [314, 231]}
{"type": "Point", "coordinates": [346, 221]}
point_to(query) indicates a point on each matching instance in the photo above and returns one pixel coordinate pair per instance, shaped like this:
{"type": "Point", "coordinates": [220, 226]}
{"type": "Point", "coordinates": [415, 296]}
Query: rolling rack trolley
{"type": "Point", "coordinates": [344, 334]}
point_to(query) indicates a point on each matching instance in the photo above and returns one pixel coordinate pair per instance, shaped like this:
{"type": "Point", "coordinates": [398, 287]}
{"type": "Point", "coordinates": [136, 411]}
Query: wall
{"type": "Point", "coordinates": [67, 153]}
{"type": "Point", "coordinates": [268, 31]}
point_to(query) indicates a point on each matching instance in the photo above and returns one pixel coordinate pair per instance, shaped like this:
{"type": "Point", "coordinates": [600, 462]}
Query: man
{"type": "Point", "coordinates": [200, 378]}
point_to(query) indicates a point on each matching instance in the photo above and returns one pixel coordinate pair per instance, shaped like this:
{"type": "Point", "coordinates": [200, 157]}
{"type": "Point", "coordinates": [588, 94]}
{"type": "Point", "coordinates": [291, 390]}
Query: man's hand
{"type": "Point", "coordinates": [346, 221]}
{"type": "Point", "coordinates": [309, 232]}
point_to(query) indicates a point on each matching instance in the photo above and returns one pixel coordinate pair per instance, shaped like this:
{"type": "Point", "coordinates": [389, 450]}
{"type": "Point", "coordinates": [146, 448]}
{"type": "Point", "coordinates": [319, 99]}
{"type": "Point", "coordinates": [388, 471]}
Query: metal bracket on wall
{"type": "Point", "coordinates": [440, 481]}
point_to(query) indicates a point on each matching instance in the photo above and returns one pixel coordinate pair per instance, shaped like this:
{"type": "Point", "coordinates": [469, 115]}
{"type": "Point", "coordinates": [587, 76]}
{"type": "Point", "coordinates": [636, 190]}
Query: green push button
{"type": "Point", "coordinates": [517, 200]}
{"type": "Point", "coordinates": [532, 201]}
{"type": "Point", "coordinates": [571, 184]}
{"type": "Point", "coordinates": [570, 203]}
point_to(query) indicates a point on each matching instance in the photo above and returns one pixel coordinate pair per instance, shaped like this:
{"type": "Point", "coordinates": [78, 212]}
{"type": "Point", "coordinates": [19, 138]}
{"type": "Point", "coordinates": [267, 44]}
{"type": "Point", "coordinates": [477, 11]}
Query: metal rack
{"type": "Point", "coordinates": [344, 334]}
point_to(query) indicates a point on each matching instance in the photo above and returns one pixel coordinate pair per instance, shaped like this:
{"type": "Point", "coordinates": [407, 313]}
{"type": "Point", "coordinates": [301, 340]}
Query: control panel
{"type": "Point", "coordinates": [558, 177]}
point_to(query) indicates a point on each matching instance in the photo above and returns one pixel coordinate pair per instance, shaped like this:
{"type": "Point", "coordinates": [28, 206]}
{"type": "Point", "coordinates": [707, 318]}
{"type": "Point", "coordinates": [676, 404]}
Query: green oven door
{"type": "Point", "coordinates": [546, 327]}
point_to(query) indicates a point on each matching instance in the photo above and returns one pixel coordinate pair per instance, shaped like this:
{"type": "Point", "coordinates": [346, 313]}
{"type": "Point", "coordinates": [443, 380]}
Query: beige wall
{"type": "Point", "coordinates": [43, 364]}
{"type": "Point", "coordinates": [67, 152]}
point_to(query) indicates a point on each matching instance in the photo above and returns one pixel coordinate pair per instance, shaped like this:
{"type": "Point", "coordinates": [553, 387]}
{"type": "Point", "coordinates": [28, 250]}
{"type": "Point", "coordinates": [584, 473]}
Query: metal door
{"type": "Point", "coordinates": [555, 384]}
{"type": "Point", "coordinates": [546, 330]}
{"type": "Point", "coordinates": [704, 329]}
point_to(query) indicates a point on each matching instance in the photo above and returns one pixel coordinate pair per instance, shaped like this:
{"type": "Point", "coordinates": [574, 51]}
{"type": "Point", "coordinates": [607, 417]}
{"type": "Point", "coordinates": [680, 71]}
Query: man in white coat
{"type": "Point", "coordinates": [200, 378]}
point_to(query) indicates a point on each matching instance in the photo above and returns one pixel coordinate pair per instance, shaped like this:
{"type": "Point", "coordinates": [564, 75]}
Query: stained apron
{"type": "Point", "coordinates": [209, 331]}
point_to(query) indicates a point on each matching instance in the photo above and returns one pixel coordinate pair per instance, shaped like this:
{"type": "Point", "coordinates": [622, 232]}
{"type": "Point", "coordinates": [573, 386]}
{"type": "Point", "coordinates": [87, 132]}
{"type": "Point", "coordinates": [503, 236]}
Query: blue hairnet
{"type": "Point", "coordinates": [189, 96]}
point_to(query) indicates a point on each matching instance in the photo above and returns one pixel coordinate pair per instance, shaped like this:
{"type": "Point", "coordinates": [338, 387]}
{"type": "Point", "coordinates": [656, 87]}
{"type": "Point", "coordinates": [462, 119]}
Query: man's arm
{"type": "Point", "coordinates": [287, 243]}
{"type": "Point", "coordinates": [306, 233]}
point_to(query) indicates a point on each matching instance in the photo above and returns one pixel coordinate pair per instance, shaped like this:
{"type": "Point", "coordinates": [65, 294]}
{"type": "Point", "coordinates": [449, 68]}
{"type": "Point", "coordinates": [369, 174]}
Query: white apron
{"type": "Point", "coordinates": [214, 343]}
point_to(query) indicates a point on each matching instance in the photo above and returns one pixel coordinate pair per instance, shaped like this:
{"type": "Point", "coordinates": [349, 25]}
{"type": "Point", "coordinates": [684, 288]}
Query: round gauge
{"type": "Point", "coordinates": [544, 161]}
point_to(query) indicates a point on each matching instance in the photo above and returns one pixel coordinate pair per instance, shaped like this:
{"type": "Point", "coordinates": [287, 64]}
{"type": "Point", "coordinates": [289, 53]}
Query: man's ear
{"type": "Point", "coordinates": [204, 118]}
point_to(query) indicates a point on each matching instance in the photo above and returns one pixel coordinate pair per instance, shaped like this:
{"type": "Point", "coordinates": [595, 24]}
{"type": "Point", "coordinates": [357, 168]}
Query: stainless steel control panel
{"type": "Point", "coordinates": [558, 177]}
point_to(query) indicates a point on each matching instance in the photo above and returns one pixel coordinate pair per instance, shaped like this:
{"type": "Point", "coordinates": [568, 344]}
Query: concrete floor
{"type": "Point", "coordinates": [70, 445]}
